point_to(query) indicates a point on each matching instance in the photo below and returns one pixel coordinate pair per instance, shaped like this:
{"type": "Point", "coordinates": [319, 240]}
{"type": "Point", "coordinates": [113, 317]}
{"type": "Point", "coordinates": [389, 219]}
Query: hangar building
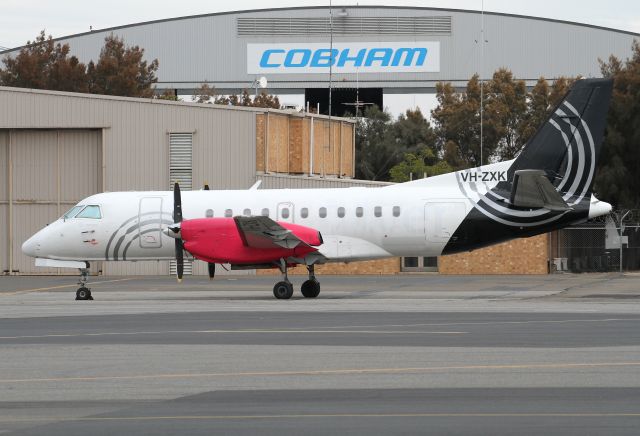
{"type": "Point", "coordinates": [379, 50]}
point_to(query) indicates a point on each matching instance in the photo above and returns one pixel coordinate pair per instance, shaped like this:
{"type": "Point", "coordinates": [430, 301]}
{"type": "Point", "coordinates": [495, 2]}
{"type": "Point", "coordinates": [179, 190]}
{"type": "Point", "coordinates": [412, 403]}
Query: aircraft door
{"type": "Point", "coordinates": [442, 218]}
{"type": "Point", "coordinates": [150, 222]}
{"type": "Point", "coordinates": [285, 212]}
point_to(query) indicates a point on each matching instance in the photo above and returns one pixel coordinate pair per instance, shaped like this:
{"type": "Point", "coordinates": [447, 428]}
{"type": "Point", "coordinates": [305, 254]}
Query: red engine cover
{"type": "Point", "coordinates": [218, 240]}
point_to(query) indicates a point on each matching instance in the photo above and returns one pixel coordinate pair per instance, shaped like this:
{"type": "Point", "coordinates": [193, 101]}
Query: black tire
{"type": "Point", "coordinates": [310, 288]}
{"type": "Point", "coordinates": [283, 290]}
{"type": "Point", "coordinates": [83, 294]}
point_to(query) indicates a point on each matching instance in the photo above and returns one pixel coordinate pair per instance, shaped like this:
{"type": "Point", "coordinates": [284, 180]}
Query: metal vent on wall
{"type": "Point", "coordinates": [181, 171]}
{"type": "Point", "coordinates": [435, 25]}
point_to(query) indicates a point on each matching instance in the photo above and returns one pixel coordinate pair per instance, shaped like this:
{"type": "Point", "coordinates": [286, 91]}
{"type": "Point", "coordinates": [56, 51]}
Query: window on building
{"type": "Point", "coordinates": [410, 262]}
{"type": "Point", "coordinates": [304, 212]}
{"type": "Point", "coordinates": [322, 212]}
{"type": "Point", "coordinates": [265, 212]}
{"type": "Point", "coordinates": [228, 213]}
{"type": "Point", "coordinates": [377, 211]}
{"type": "Point", "coordinates": [396, 211]}
{"type": "Point", "coordinates": [341, 212]}
{"type": "Point", "coordinates": [246, 212]}
{"type": "Point", "coordinates": [209, 213]}
{"type": "Point", "coordinates": [359, 212]}
{"type": "Point", "coordinates": [92, 212]}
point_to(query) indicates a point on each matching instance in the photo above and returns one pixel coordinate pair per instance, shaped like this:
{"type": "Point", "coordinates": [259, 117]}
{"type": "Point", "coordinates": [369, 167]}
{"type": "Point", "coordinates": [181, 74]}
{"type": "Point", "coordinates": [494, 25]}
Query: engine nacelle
{"type": "Point", "coordinates": [218, 240]}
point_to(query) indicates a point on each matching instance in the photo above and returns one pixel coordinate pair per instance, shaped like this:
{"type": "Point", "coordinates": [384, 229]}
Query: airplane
{"type": "Point", "coordinates": [548, 186]}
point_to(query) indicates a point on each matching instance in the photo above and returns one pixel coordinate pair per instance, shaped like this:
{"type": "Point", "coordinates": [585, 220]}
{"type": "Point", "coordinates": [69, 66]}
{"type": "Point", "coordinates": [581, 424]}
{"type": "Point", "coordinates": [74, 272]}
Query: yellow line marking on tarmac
{"type": "Point", "coordinates": [25, 291]}
{"type": "Point", "coordinates": [330, 372]}
{"type": "Point", "coordinates": [331, 415]}
{"type": "Point", "coordinates": [75, 335]}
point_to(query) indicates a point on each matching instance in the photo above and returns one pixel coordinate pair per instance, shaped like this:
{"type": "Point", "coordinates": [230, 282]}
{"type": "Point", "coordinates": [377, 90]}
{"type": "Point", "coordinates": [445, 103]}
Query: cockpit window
{"type": "Point", "coordinates": [72, 212]}
{"type": "Point", "coordinates": [90, 211]}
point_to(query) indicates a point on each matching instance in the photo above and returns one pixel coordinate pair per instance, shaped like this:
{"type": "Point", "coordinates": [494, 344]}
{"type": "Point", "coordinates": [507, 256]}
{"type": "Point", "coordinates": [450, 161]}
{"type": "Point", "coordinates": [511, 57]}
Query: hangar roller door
{"type": "Point", "coordinates": [45, 172]}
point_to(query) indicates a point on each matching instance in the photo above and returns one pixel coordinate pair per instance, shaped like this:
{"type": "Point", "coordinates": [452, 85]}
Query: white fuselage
{"type": "Point", "coordinates": [411, 219]}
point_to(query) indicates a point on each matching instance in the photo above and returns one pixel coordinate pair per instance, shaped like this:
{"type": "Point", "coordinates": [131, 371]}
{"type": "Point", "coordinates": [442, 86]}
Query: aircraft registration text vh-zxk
{"type": "Point", "coordinates": [546, 187]}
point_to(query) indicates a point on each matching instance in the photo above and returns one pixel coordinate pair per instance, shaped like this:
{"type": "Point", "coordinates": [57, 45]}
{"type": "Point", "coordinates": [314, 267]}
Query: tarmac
{"type": "Point", "coordinates": [405, 354]}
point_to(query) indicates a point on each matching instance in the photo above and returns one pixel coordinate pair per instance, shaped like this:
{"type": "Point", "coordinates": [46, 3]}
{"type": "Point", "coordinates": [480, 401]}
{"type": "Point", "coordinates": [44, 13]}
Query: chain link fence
{"type": "Point", "coordinates": [595, 246]}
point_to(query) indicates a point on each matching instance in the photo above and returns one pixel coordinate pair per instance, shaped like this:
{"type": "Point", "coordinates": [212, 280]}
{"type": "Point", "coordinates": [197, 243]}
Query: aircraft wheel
{"type": "Point", "coordinates": [283, 290]}
{"type": "Point", "coordinates": [310, 288]}
{"type": "Point", "coordinates": [83, 294]}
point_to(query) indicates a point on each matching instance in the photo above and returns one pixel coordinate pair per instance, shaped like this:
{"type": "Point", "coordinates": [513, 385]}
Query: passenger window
{"type": "Point", "coordinates": [322, 212]}
{"type": "Point", "coordinates": [285, 212]}
{"type": "Point", "coordinates": [228, 213]}
{"type": "Point", "coordinates": [246, 212]}
{"type": "Point", "coordinates": [396, 211]}
{"type": "Point", "coordinates": [359, 212]}
{"type": "Point", "coordinates": [304, 212]}
{"type": "Point", "coordinates": [377, 211]}
{"type": "Point", "coordinates": [265, 212]}
{"type": "Point", "coordinates": [341, 212]}
{"type": "Point", "coordinates": [72, 212]}
{"type": "Point", "coordinates": [92, 212]}
{"type": "Point", "coordinates": [209, 213]}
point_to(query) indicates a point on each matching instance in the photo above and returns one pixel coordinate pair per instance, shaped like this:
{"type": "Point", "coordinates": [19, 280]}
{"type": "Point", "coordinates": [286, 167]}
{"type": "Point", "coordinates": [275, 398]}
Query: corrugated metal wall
{"type": "Point", "coordinates": [530, 47]}
{"type": "Point", "coordinates": [4, 201]}
{"type": "Point", "coordinates": [48, 171]}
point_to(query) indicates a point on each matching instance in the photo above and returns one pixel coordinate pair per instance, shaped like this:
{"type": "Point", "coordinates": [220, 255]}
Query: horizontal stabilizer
{"type": "Point", "coordinates": [531, 188]}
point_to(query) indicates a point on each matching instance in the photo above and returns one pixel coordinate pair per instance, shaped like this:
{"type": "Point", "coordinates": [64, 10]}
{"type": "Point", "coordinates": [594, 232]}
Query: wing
{"type": "Point", "coordinates": [263, 232]}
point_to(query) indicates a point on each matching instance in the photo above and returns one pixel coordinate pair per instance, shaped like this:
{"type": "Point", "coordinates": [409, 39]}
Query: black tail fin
{"type": "Point", "coordinates": [566, 147]}
{"type": "Point", "coordinates": [555, 170]}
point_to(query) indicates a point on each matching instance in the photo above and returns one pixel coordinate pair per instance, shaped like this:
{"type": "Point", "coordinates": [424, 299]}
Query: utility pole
{"type": "Point", "coordinates": [622, 226]}
{"type": "Point", "coordinates": [331, 67]}
{"type": "Point", "coordinates": [481, 81]}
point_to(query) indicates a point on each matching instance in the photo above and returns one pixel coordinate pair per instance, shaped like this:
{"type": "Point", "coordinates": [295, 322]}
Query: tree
{"type": "Point", "coordinates": [506, 109]}
{"type": "Point", "coordinates": [618, 179]}
{"type": "Point", "coordinates": [121, 70]}
{"type": "Point", "coordinates": [376, 147]}
{"type": "Point", "coordinates": [414, 131]}
{"type": "Point", "coordinates": [424, 163]}
{"type": "Point", "coordinates": [457, 122]}
{"type": "Point", "coordinates": [511, 115]}
{"type": "Point", "coordinates": [42, 64]}
{"type": "Point", "coordinates": [204, 94]}
{"type": "Point", "coordinates": [540, 102]}
{"type": "Point", "coordinates": [168, 94]}
{"type": "Point", "coordinates": [207, 94]}
{"type": "Point", "coordinates": [266, 100]}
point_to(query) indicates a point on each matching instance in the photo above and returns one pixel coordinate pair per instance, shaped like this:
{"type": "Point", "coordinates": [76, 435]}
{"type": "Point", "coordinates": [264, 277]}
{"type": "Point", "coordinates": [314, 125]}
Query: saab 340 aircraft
{"type": "Point", "coordinates": [546, 187]}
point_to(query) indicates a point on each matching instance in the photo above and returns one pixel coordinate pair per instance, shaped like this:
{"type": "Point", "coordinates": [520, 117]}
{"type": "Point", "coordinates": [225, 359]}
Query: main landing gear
{"type": "Point", "coordinates": [311, 288]}
{"type": "Point", "coordinates": [84, 293]}
{"type": "Point", "coordinates": [283, 290]}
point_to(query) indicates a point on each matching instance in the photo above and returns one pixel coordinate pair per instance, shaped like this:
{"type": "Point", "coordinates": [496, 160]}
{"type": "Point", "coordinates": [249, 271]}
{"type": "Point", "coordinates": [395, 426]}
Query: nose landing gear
{"type": "Point", "coordinates": [84, 293]}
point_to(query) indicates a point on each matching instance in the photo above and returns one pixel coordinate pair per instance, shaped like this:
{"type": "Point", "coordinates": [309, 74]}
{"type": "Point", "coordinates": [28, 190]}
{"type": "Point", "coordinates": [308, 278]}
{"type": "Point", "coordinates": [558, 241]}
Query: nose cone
{"type": "Point", "coordinates": [598, 208]}
{"type": "Point", "coordinates": [31, 246]}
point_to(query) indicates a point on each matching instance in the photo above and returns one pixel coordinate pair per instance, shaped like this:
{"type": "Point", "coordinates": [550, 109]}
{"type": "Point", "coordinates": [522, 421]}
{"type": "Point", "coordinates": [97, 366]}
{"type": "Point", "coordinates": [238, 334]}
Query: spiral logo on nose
{"type": "Point", "coordinates": [574, 185]}
{"type": "Point", "coordinates": [131, 230]}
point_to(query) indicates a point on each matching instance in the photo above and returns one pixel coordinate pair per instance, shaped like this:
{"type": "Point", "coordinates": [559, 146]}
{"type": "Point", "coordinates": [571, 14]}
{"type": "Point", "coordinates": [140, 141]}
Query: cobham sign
{"type": "Point", "coordinates": [369, 57]}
